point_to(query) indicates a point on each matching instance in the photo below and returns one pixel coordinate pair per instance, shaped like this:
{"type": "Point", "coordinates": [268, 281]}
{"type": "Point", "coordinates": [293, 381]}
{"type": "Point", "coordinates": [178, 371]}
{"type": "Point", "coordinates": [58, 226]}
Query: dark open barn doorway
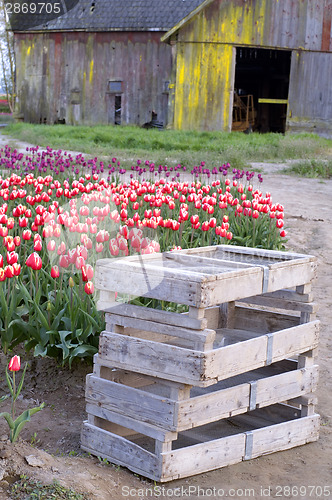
{"type": "Point", "coordinates": [261, 89]}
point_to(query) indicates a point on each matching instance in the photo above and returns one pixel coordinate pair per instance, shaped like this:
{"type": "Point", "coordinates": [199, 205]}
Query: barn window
{"type": "Point", "coordinates": [115, 86]}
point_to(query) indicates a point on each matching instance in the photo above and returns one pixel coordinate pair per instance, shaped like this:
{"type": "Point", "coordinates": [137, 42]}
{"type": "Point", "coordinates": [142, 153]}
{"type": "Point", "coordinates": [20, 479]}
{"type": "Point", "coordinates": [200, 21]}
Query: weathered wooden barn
{"type": "Point", "coordinates": [191, 64]}
{"type": "Point", "coordinates": [102, 61]}
{"type": "Point", "coordinates": [262, 63]}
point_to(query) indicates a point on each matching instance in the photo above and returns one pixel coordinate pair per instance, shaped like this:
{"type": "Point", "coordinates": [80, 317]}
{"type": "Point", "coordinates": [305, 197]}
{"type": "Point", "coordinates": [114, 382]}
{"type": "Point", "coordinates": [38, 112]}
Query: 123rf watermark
{"type": "Point", "coordinates": [278, 491]}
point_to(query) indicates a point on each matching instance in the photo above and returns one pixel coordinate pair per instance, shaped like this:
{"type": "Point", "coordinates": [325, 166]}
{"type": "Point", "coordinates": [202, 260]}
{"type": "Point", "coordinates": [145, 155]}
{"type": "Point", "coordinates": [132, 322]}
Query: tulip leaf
{"type": "Point", "coordinates": [9, 419]}
{"type": "Point", "coordinates": [20, 385]}
{"type": "Point", "coordinates": [19, 423]}
{"type": "Point", "coordinates": [9, 383]}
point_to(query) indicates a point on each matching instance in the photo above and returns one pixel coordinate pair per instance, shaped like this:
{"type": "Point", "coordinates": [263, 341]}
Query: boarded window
{"type": "Point", "coordinates": [115, 86]}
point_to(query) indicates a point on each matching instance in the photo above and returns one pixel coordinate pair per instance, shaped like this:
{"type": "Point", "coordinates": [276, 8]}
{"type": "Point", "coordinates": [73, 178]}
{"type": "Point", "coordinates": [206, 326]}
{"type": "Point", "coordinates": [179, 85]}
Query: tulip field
{"type": "Point", "coordinates": [60, 213]}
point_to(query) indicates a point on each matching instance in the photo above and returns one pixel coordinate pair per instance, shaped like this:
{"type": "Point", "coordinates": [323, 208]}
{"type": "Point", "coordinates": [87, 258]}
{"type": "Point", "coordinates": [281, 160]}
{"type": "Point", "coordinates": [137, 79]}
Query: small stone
{"type": "Point", "coordinates": [4, 437]}
{"type": "Point", "coordinates": [54, 469]}
{"type": "Point", "coordinates": [34, 461]}
{"type": "Point", "coordinates": [4, 453]}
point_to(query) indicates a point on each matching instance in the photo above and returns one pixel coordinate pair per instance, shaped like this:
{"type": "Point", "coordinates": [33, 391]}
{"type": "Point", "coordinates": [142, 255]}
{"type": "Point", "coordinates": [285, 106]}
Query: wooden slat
{"type": "Point", "coordinates": [259, 320]}
{"type": "Point", "coordinates": [233, 359]}
{"type": "Point", "coordinates": [151, 358]}
{"type": "Point", "coordinates": [130, 401]}
{"type": "Point", "coordinates": [275, 303]}
{"type": "Point", "coordinates": [296, 340]}
{"type": "Point", "coordinates": [290, 295]}
{"type": "Point", "coordinates": [131, 423]}
{"type": "Point", "coordinates": [119, 450]}
{"type": "Point", "coordinates": [163, 317]}
{"type": "Point", "coordinates": [203, 457]}
{"type": "Point", "coordinates": [199, 337]}
{"type": "Point", "coordinates": [284, 435]}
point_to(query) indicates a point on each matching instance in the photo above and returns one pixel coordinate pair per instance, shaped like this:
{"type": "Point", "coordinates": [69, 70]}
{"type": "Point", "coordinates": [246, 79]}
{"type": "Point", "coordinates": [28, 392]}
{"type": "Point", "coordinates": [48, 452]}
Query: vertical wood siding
{"type": "Point", "coordinates": [205, 61]}
{"type": "Point", "coordinates": [65, 76]}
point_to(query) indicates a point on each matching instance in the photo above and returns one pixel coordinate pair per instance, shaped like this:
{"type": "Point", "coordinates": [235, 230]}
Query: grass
{"type": "Point", "coordinates": [170, 147]}
{"type": "Point", "coordinates": [311, 168]}
{"type": "Point", "coordinates": [28, 489]}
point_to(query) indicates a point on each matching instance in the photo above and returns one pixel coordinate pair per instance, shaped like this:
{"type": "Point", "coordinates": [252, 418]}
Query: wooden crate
{"type": "Point", "coordinates": [174, 395]}
{"type": "Point", "coordinates": [203, 277]}
{"type": "Point", "coordinates": [114, 394]}
{"type": "Point", "coordinates": [203, 357]}
{"type": "Point", "coordinates": [163, 456]}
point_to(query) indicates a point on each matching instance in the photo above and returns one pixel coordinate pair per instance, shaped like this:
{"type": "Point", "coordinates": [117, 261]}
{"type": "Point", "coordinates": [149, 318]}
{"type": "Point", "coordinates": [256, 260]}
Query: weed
{"type": "Point", "coordinates": [311, 168]}
{"type": "Point", "coordinates": [28, 489]}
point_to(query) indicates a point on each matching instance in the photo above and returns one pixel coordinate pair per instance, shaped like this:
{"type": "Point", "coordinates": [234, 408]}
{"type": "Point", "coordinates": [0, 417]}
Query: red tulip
{"type": "Point", "coordinates": [17, 269]}
{"type": "Point", "coordinates": [34, 261]}
{"type": "Point", "coordinates": [55, 273]}
{"type": "Point", "coordinates": [26, 235]}
{"type": "Point", "coordinates": [89, 288]}
{"type": "Point", "coordinates": [12, 257]}
{"type": "Point", "coordinates": [14, 364]}
{"type": "Point", "coordinates": [2, 275]}
{"type": "Point", "coordinates": [9, 271]}
{"type": "Point", "coordinates": [37, 246]}
{"type": "Point", "coordinates": [64, 261]}
{"type": "Point", "coordinates": [1, 261]}
{"type": "Point", "coordinates": [51, 246]}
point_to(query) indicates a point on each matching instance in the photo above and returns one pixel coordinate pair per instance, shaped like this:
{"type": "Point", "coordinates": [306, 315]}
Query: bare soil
{"type": "Point", "coordinates": [53, 435]}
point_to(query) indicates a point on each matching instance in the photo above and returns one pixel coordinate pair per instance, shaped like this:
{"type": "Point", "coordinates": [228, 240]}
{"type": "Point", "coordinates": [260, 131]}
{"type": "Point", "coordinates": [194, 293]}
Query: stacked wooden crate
{"type": "Point", "coordinates": [173, 395]}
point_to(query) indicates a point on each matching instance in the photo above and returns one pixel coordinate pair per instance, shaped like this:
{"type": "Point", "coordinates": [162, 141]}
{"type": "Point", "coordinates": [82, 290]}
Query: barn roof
{"type": "Point", "coordinates": [110, 15]}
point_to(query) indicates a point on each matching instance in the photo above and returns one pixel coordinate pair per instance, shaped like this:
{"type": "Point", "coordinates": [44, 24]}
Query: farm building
{"type": "Point", "coordinates": [264, 63]}
{"type": "Point", "coordinates": [211, 65]}
{"type": "Point", "coordinates": [102, 61]}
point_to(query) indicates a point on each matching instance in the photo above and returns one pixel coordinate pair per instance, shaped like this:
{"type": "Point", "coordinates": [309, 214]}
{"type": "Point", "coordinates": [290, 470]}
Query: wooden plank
{"type": "Point", "coordinates": [152, 358]}
{"type": "Point", "coordinates": [285, 386]}
{"type": "Point", "coordinates": [196, 336]}
{"type": "Point", "coordinates": [224, 403]}
{"type": "Point", "coordinates": [163, 317]}
{"type": "Point", "coordinates": [290, 295]}
{"type": "Point", "coordinates": [250, 354]}
{"type": "Point", "coordinates": [130, 401]}
{"type": "Point", "coordinates": [259, 320]}
{"type": "Point", "coordinates": [119, 450]}
{"type": "Point", "coordinates": [231, 287]}
{"type": "Point", "coordinates": [132, 424]}
{"type": "Point", "coordinates": [234, 359]}
{"type": "Point", "coordinates": [203, 457]}
{"type": "Point", "coordinates": [295, 340]}
{"type": "Point", "coordinates": [275, 303]}
{"type": "Point", "coordinates": [213, 406]}
{"type": "Point", "coordinates": [284, 435]}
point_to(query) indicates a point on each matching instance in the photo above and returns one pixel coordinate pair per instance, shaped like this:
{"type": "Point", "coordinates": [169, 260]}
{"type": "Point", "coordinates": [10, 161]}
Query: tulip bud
{"type": "Point", "coordinates": [71, 282]}
{"type": "Point", "coordinates": [14, 364]}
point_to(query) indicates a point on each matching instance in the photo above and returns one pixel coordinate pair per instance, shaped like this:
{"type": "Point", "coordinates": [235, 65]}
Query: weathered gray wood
{"type": "Point", "coordinates": [199, 337]}
{"type": "Point", "coordinates": [120, 451]}
{"type": "Point", "coordinates": [132, 424]}
{"type": "Point", "coordinates": [163, 317]}
{"type": "Point", "coordinates": [292, 296]}
{"type": "Point", "coordinates": [262, 321]}
{"type": "Point", "coordinates": [250, 354]}
{"type": "Point", "coordinates": [285, 435]}
{"type": "Point", "coordinates": [295, 340]}
{"type": "Point", "coordinates": [105, 297]}
{"type": "Point", "coordinates": [285, 386]}
{"type": "Point", "coordinates": [130, 401]}
{"type": "Point", "coordinates": [203, 457]}
{"type": "Point", "coordinates": [275, 303]}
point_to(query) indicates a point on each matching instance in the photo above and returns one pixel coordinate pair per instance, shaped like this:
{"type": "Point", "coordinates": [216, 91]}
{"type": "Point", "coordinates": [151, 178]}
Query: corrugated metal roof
{"type": "Point", "coordinates": [108, 15]}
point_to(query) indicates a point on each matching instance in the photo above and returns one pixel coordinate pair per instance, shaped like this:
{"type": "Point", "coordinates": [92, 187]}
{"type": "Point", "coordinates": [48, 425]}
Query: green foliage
{"type": "Point", "coordinates": [311, 168]}
{"type": "Point", "coordinates": [28, 489]}
{"type": "Point", "coordinates": [170, 147]}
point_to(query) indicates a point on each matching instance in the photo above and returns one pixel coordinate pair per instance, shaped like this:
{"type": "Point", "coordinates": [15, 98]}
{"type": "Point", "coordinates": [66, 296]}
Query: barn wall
{"type": "Point", "coordinates": [64, 76]}
{"type": "Point", "coordinates": [205, 65]}
{"type": "Point", "coordinates": [310, 95]}
{"type": "Point", "coordinates": [288, 24]}
{"type": "Point", "coordinates": [204, 86]}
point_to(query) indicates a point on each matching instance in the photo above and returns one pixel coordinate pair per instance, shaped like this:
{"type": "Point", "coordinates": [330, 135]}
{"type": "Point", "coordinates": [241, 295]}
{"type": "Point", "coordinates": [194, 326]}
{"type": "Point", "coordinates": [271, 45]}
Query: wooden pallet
{"type": "Point", "coordinates": [114, 394]}
{"type": "Point", "coordinates": [203, 277]}
{"type": "Point", "coordinates": [163, 456]}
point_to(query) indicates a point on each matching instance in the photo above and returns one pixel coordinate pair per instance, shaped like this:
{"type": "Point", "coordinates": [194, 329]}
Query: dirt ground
{"type": "Point", "coordinates": [53, 435]}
